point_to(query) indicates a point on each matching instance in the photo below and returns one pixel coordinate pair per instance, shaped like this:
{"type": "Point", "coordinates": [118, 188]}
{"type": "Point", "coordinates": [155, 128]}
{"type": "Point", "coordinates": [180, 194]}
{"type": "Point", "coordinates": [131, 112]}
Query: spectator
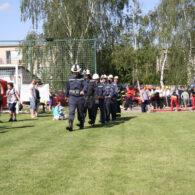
{"type": "Point", "coordinates": [193, 97]}
{"type": "Point", "coordinates": [129, 97]}
{"type": "Point", "coordinates": [161, 98]}
{"type": "Point", "coordinates": [153, 98]}
{"type": "Point", "coordinates": [185, 98]}
{"type": "Point", "coordinates": [179, 92]}
{"type": "Point", "coordinates": [12, 98]}
{"type": "Point", "coordinates": [168, 96]}
{"type": "Point", "coordinates": [1, 99]}
{"type": "Point", "coordinates": [32, 98]}
{"type": "Point", "coordinates": [44, 106]}
{"type": "Point", "coordinates": [37, 102]}
{"type": "Point", "coordinates": [174, 100]}
{"type": "Point", "coordinates": [50, 99]}
{"type": "Point", "coordinates": [144, 99]}
{"type": "Point", "coordinates": [58, 114]}
{"type": "Point", "coordinates": [149, 92]}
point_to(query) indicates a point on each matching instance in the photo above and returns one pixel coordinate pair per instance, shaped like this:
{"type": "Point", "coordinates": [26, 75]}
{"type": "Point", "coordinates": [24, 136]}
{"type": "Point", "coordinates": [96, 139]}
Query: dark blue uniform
{"type": "Point", "coordinates": [114, 100]}
{"type": "Point", "coordinates": [119, 100]}
{"type": "Point", "coordinates": [73, 88]}
{"type": "Point", "coordinates": [99, 101]}
{"type": "Point", "coordinates": [108, 96]}
{"type": "Point", "coordinates": [89, 99]}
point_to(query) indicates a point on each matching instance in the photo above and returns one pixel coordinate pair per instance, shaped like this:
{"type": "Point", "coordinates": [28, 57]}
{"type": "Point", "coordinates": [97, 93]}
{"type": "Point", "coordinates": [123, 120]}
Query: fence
{"type": "Point", "coordinates": [49, 61]}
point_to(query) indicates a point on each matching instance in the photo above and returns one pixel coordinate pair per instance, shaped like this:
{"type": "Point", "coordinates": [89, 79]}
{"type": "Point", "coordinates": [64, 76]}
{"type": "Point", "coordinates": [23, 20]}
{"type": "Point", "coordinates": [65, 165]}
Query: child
{"type": "Point", "coordinates": [12, 98]}
{"type": "Point", "coordinates": [58, 114]}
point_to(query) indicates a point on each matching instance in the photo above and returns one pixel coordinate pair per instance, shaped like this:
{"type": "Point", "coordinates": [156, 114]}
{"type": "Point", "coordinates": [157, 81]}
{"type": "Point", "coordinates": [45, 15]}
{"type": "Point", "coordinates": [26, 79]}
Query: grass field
{"type": "Point", "coordinates": [139, 154]}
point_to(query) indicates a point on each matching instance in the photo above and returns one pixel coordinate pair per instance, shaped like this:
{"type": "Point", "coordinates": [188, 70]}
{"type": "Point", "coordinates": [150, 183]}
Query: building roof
{"type": "Point", "coordinates": [8, 45]}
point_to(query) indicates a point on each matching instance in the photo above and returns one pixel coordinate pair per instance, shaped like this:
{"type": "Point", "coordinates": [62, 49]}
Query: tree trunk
{"type": "Point", "coordinates": [163, 68]}
{"type": "Point", "coordinates": [135, 44]}
{"type": "Point", "coordinates": [189, 68]}
{"type": "Point", "coordinates": [190, 60]}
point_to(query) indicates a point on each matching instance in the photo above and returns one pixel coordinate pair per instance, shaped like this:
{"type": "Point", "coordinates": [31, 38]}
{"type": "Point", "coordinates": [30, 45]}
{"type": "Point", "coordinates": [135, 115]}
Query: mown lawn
{"type": "Point", "coordinates": [139, 154]}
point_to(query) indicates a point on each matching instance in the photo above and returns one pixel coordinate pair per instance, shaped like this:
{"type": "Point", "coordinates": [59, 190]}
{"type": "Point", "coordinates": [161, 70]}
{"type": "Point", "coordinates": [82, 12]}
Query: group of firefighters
{"type": "Point", "coordinates": [87, 93]}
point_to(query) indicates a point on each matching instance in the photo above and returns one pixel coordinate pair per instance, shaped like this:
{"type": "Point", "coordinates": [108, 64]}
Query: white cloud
{"type": "Point", "coordinates": [4, 6]}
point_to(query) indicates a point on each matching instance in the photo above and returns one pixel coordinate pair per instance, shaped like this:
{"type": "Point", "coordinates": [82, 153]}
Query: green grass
{"type": "Point", "coordinates": [139, 154]}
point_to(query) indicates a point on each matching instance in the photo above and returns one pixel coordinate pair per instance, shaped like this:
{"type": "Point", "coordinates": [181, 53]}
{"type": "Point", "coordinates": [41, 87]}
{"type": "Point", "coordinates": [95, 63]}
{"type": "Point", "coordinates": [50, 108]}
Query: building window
{"type": "Point", "coordinates": [8, 57]}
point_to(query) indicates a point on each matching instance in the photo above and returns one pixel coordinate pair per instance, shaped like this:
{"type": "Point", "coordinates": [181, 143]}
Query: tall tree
{"type": "Point", "coordinates": [76, 19]}
{"type": "Point", "coordinates": [173, 26]}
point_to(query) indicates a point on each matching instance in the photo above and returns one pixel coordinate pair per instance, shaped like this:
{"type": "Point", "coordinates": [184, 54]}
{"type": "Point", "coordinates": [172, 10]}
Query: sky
{"type": "Point", "coordinates": [12, 28]}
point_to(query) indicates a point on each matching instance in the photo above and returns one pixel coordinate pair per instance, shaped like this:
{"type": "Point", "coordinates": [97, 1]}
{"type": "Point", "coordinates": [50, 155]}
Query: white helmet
{"type": "Point", "coordinates": [104, 76]}
{"type": "Point", "coordinates": [87, 72]}
{"type": "Point", "coordinates": [96, 76]}
{"type": "Point", "coordinates": [84, 71]}
{"type": "Point", "coordinates": [75, 68]}
{"type": "Point", "coordinates": [116, 77]}
{"type": "Point", "coordinates": [110, 76]}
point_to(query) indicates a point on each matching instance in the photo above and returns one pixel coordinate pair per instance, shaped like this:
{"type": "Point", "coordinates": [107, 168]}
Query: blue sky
{"type": "Point", "coordinates": [11, 27]}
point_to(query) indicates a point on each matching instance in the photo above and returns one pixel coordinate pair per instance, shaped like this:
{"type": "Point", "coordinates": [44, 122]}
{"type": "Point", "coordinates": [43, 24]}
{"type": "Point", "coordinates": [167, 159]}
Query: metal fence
{"type": "Point", "coordinates": [48, 61]}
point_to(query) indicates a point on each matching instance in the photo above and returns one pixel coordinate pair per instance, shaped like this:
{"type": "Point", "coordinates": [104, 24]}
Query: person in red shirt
{"type": "Point", "coordinates": [129, 97]}
{"type": "Point", "coordinates": [193, 96]}
{"type": "Point", "coordinates": [174, 99]}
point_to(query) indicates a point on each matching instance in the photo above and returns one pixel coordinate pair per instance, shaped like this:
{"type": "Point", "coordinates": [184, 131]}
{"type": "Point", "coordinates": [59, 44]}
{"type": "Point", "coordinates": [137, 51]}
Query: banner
{"type": "Point", "coordinates": [43, 90]}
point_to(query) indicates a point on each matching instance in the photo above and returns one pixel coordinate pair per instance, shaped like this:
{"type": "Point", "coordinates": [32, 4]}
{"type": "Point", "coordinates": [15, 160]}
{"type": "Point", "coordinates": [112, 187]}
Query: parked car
{"type": "Point", "coordinates": [3, 86]}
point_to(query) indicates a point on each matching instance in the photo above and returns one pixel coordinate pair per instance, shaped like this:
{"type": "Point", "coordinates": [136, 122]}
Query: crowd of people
{"type": "Point", "coordinates": [88, 93]}
{"type": "Point", "coordinates": [165, 97]}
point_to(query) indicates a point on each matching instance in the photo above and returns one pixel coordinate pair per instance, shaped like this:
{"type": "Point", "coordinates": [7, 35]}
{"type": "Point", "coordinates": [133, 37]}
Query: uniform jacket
{"type": "Point", "coordinates": [108, 90]}
{"type": "Point", "coordinates": [89, 87]}
{"type": "Point", "coordinates": [74, 86]}
{"type": "Point", "coordinates": [115, 89]}
{"type": "Point", "coordinates": [100, 90]}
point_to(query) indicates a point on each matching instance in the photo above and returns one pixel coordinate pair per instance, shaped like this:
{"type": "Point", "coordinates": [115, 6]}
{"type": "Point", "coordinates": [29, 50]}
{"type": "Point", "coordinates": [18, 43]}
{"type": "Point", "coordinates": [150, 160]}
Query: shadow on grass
{"type": "Point", "coordinates": [2, 128]}
{"type": "Point", "coordinates": [3, 131]}
{"type": "Point", "coordinates": [110, 124]}
{"type": "Point", "coordinates": [41, 116]}
{"type": "Point", "coordinates": [28, 119]}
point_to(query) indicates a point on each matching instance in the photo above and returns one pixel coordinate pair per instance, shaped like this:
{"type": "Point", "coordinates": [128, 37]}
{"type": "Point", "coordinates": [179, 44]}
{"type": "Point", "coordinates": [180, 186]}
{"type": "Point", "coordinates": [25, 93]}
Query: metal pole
{"type": "Point", "coordinates": [31, 61]}
{"type": "Point", "coordinates": [17, 87]}
{"type": "Point", "coordinates": [95, 56]}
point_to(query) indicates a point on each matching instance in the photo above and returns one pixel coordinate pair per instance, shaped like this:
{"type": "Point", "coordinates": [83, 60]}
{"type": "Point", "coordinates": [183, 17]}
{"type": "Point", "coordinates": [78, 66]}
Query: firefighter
{"type": "Point", "coordinates": [99, 98]}
{"type": "Point", "coordinates": [108, 98]}
{"type": "Point", "coordinates": [75, 92]}
{"type": "Point", "coordinates": [119, 97]}
{"type": "Point", "coordinates": [90, 85]}
{"type": "Point", "coordinates": [113, 102]}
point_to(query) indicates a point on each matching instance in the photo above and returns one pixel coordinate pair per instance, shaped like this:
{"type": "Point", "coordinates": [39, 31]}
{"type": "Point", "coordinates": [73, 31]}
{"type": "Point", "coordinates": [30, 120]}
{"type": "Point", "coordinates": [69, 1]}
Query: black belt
{"type": "Point", "coordinates": [75, 92]}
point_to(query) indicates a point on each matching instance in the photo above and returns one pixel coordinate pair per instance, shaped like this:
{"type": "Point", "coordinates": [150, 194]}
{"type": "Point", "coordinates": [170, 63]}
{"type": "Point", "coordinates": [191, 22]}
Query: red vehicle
{"type": "Point", "coordinates": [60, 97]}
{"type": "Point", "coordinates": [3, 86]}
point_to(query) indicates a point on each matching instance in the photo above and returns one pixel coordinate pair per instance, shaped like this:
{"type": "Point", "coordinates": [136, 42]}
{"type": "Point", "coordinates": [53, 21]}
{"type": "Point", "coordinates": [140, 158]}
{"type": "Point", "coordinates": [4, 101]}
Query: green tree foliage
{"type": "Point", "coordinates": [77, 19]}
{"type": "Point", "coordinates": [173, 23]}
{"type": "Point", "coordinates": [128, 41]}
